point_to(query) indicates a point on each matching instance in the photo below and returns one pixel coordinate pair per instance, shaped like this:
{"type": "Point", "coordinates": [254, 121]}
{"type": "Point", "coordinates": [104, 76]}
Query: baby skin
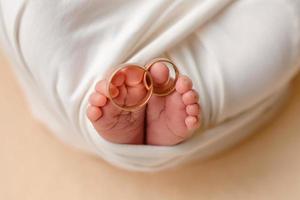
{"type": "Point", "coordinates": [164, 121]}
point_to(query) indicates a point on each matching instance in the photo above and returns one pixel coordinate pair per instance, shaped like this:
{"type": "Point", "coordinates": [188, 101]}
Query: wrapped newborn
{"type": "Point", "coordinates": [236, 59]}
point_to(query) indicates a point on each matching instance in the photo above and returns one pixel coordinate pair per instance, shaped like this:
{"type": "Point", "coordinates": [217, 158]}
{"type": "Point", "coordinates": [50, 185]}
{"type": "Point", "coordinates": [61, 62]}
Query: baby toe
{"type": "Point", "coordinates": [183, 84]}
{"type": "Point", "coordinates": [192, 122]}
{"type": "Point", "coordinates": [133, 75]}
{"type": "Point", "coordinates": [97, 99]}
{"type": "Point", "coordinates": [94, 113]}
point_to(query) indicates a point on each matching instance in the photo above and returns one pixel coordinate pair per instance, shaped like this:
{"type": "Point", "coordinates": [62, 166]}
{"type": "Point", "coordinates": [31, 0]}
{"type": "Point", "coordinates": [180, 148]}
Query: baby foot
{"type": "Point", "coordinates": [112, 123]}
{"type": "Point", "coordinates": [172, 119]}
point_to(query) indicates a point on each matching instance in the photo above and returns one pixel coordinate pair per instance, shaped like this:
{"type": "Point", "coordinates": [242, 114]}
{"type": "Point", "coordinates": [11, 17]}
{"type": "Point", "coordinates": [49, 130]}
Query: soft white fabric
{"type": "Point", "coordinates": [240, 55]}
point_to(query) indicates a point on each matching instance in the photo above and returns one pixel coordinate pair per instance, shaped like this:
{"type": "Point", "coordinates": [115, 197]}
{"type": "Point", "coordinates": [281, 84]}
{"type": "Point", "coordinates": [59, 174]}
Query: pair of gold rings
{"type": "Point", "coordinates": [151, 88]}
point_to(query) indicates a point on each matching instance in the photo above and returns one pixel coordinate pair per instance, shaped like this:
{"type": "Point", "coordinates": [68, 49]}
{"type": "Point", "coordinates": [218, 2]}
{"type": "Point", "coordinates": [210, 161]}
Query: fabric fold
{"type": "Point", "coordinates": [241, 56]}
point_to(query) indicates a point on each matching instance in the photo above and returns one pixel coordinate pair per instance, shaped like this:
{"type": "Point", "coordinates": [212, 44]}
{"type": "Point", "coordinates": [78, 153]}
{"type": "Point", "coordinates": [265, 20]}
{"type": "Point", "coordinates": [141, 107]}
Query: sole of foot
{"type": "Point", "coordinates": [172, 119]}
{"type": "Point", "coordinates": [111, 122]}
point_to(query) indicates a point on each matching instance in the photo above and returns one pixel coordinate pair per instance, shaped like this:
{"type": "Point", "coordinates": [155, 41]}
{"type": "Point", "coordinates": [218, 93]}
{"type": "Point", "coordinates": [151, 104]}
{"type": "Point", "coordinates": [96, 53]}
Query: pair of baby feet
{"type": "Point", "coordinates": [166, 120]}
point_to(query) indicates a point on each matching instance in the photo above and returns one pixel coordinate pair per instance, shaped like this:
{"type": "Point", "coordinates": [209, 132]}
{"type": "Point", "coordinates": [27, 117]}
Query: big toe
{"type": "Point", "coordinates": [134, 85]}
{"type": "Point", "coordinates": [133, 75]}
{"type": "Point", "coordinates": [160, 73]}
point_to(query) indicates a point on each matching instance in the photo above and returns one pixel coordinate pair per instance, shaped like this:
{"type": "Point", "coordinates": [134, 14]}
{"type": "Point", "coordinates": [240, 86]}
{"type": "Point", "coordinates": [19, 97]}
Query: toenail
{"type": "Point", "coordinates": [160, 73]}
{"type": "Point", "coordinates": [187, 82]}
{"type": "Point", "coordinates": [190, 97]}
{"type": "Point", "coordinates": [195, 96]}
{"type": "Point", "coordinates": [134, 76]}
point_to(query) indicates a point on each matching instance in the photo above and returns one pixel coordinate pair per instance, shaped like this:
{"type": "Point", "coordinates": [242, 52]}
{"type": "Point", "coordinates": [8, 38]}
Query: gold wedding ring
{"type": "Point", "coordinates": [169, 86]}
{"type": "Point", "coordinates": [151, 88]}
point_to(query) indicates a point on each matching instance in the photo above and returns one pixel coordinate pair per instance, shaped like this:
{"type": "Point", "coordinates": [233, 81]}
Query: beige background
{"type": "Point", "coordinates": [34, 165]}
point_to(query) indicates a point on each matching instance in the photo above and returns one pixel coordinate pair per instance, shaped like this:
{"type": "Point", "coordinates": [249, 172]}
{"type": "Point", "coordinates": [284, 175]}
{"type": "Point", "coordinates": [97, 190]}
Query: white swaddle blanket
{"type": "Point", "coordinates": [241, 56]}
